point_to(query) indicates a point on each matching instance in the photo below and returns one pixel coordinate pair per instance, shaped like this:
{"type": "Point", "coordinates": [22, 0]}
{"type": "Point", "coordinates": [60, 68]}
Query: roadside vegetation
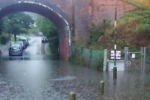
{"type": "Point", "coordinates": [14, 24]}
{"type": "Point", "coordinates": [13, 40]}
{"type": "Point", "coordinates": [51, 32]}
{"type": "Point", "coordinates": [141, 3]}
{"type": "Point", "coordinates": [133, 30]}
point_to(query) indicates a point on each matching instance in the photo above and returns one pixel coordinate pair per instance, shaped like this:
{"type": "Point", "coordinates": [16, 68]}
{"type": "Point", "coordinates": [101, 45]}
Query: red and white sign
{"type": "Point", "coordinates": [118, 54]}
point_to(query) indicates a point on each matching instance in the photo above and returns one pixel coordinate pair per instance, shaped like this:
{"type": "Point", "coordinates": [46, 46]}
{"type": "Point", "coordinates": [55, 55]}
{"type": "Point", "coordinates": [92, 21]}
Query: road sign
{"type": "Point", "coordinates": [118, 54]}
{"type": "Point", "coordinates": [133, 55]}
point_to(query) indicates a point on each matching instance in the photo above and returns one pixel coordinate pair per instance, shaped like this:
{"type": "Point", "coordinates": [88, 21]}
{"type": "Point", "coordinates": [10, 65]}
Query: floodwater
{"type": "Point", "coordinates": [44, 79]}
{"type": "Point", "coordinates": [53, 80]}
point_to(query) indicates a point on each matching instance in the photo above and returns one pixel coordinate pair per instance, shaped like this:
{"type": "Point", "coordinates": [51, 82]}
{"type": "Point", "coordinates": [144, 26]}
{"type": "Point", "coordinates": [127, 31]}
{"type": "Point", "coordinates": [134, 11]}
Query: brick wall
{"type": "Point", "coordinates": [80, 14]}
{"type": "Point", "coordinates": [87, 11]}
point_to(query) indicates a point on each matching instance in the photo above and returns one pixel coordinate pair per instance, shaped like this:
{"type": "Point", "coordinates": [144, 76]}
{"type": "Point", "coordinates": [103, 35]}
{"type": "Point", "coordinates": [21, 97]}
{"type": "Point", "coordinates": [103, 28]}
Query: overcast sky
{"type": "Point", "coordinates": [33, 15]}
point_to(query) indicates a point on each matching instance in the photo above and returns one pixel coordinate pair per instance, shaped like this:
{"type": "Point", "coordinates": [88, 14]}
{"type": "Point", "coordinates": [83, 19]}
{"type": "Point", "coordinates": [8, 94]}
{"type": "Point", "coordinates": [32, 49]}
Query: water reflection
{"type": "Point", "coordinates": [11, 58]}
{"type": "Point", "coordinates": [53, 80]}
{"type": "Point", "coordinates": [15, 58]}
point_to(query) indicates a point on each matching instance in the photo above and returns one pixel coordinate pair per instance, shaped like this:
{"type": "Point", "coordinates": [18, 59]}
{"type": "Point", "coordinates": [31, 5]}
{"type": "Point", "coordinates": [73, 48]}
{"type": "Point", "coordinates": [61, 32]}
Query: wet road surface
{"type": "Point", "coordinates": [40, 79]}
{"type": "Point", "coordinates": [35, 51]}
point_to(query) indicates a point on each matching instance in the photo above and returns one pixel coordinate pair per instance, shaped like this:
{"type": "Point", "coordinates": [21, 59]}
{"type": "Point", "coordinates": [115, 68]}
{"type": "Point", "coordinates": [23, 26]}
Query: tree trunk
{"type": "Point", "coordinates": [15, 37]}
{"type": "Point", "coordinates": [9, 36]}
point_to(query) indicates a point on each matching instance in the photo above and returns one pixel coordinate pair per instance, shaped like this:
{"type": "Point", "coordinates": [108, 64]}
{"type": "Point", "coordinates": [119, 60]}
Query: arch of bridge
{"type": "Point", "coordinates": [50, 11]}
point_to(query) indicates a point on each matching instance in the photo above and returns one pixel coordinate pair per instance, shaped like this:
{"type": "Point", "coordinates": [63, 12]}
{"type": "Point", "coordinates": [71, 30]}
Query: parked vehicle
{"type": "Point", "coordinates": [21, 43]}
{"type": "Point", "coordinates": [14, 44]}
{"type": "Point", "coordinates": [44, 40]}
{"type": "Point", "coordinates": [15, 50]}
{"type": "Point", "coordinates": [25, 42]}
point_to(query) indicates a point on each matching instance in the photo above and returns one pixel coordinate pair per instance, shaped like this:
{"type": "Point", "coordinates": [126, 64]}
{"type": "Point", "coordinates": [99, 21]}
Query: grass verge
{"type": "Point", "coordinates": [13, 40]}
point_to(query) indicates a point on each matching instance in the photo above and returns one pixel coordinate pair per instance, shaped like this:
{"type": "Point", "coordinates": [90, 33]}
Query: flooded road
{"type": "Point", "coordinates": [53, 80]}
{"type": "Point", "coordinates": [40, 79]}
{"type": "Point", "coordinates": [45, 80]}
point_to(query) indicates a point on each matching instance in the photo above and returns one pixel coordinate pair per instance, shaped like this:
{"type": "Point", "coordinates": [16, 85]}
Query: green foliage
{"type": "Point", "coordinates": [99, 64]}
{"type": "Point", "coordinates": [106, 23]}
{"type": "Point", "coordinates": [49, 49]}
{"type": "Point", "coordinates": [78, 60]}
{"type": "Point", "coordinates": [101, 47]}
{"type": "Point", "coordinates": [33, 29]}
{"type": "Point", "coordinates": [135, 49]}
{"type": "Point", "coordinates": [17, 38]}
{"type": "Point", "coordinates": [143, 28]}
{"type": "Point", "coordinates": [1, 27]}
{"type": "Point", "coordinates": [91, 58]}
{"type": "Point", "coordinates": [97, 31]}
{"type": "Point", "coordinates": [91, 48]}
{"type": "Point", "coordinates": [141, 17]}
{"type": "Point", "coordinates": [81, 48]}
{"type": "Point", "coordinates": [122, 54]}
{"type": "Point", "coordinates": [16, 23]}
{"type": "Point", "coordinates": [28, 39]}
{"type": "Point", "coordinates": [122, 43]}
{"type": "Point", "coordinates": [51, 32]}
{"type": "Point", "coordinates": [68, 58]}
{"type": "Point", "coordinates": [3, 40]}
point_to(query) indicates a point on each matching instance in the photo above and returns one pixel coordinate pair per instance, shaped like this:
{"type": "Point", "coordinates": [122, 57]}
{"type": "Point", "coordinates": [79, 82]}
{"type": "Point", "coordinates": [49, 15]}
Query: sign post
{"type": "Point", "coordinates": [115, 46]}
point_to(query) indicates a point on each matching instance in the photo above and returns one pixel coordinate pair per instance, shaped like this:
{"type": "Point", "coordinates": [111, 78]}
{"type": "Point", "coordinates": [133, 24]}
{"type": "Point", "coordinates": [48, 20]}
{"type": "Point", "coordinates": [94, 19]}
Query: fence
{"type": "Point", "coordinates": [88, 57]}
{"type": "Point", "coordinates": [131, 58]}
{"type": "Point", "coordinates": [135, 58]}
{"type": "Point", "coordinates": [147, 61]}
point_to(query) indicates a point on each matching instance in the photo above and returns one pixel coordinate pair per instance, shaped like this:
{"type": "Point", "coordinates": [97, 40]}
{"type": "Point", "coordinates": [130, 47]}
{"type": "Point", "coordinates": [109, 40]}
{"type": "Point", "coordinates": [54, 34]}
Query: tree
{"type": "Point", "coordinates": [51, 32]}
{"type": "Point", "coordinates": [16, 23]}
{"type": "Point", "coordinates": [1, 27]}
{"type": "Point", "coordinates": [33, 29]}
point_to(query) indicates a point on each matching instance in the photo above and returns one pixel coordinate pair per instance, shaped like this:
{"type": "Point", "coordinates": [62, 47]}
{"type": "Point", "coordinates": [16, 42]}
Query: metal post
{"type": "Point", "coordinates": [126, 58]}
{"type": "Point", "coordinates": [102, 87]}
{"type": "Point", "coordinates": [72, 96]}
{"type": "Point", "coordinates": [141, 59]}
{"type": "Point", "coordinates": [144, 59]}
{"type": "Point", "coordinates": [105, 60]}
{"type": "Point", "coordinates": [115, 46]}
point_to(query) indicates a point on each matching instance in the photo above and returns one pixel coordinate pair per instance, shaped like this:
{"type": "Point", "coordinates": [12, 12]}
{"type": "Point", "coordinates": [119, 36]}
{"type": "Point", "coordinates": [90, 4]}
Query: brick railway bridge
{"type": "Point", "coordinates": [71, 17]}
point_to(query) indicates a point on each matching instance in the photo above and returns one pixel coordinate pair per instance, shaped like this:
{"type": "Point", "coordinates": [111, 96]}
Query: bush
{"type": "Point", "coordinates": [100, 64]}
{"type": "Point", "coordinates": [3, 40]}
{"type": "Point", "coordinates": [68, 58]}
{"type": "Point", "coordinates": [51, 32]}
{"type": "Point", "coordinates": [78, 60]}
{"type": "Point", "coordinates": [135, 49]}
{"type": "Point", "coordinates": [97, 31]}
{"type": "Point", "coordinates": [54, 53]}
